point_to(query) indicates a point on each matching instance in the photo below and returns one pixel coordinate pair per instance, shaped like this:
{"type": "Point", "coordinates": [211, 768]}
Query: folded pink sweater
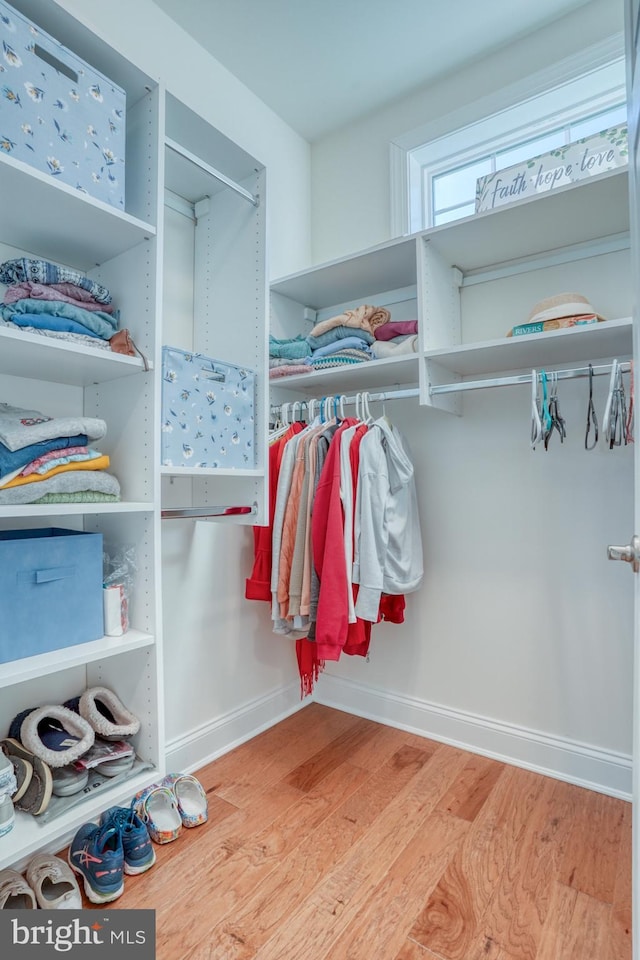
{"type": "Point", "coordinates": [395, 328]}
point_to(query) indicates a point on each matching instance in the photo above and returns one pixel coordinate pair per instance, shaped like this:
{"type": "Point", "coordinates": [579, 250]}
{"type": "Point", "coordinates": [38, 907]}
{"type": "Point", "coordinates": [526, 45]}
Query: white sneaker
{"type": "Point", "coordinates": [7, 814]}
{"type": "Point", "coordinates": [53, 883]}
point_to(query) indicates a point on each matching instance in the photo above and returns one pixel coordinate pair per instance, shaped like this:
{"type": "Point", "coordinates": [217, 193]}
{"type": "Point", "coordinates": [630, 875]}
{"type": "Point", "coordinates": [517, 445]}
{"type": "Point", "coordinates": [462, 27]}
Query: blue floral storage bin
{"type": "Point", "coordinates": [57, 113]}
{"type": "Point", "coordinates": [208, 416]}
{"type": "Point", "coordinates": [50, 590]}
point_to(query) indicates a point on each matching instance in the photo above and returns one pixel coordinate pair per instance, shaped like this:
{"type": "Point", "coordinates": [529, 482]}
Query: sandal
{"type": "Point", "coordinates": [157, 807]}
{"type": "Point", "coordinates": [190, 798]}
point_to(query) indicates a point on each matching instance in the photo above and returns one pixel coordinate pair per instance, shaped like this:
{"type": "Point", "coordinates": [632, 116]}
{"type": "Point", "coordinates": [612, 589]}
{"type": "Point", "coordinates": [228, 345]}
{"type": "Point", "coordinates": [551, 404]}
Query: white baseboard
{"type": "Point", "coordinates": [602, 770]}
{"type": "Point", "coordinates": [203, 744]}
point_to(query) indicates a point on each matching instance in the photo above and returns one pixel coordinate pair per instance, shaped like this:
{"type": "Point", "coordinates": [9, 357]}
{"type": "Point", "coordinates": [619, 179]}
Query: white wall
{"type": "Point", "coordinates": [350, 205]}
{"type": "Point", "coordinates": [520, 641]}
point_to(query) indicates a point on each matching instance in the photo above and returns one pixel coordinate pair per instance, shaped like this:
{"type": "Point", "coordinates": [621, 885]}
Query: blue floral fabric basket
{"type": "Point", "coordinates": [208, 412]}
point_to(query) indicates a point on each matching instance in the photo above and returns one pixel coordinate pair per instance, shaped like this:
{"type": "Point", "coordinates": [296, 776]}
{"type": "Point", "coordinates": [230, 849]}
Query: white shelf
{"type": "Point", "coordinates": [209, 472]}
{"type": "Point", "coordinates": [377, 270]}
{"type": "Point", "coordinates": [39, 357]}
{"type": "Point", "coordinates": [30, 835]}
{"type": "Point", "coordinates": [572, 345]}
{"type": "Point", "coordinates": [571, 215]}
{"type": "Point", "coordinates": [95, 232]}
{"type": "Point", "coordinates": [368, 375]}
{"type": "Point", "coordinates": [46, 663]}
{"type": "Point", "coordinates": [74, 509]}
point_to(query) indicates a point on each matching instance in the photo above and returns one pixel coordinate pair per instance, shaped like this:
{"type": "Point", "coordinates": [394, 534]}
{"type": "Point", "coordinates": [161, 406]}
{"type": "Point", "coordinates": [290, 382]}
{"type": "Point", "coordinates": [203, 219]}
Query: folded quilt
{"type": "Point", "coordinates": [276, 372]}
{"type": "Point", "coordinates": [396, 328]}
{"type": "Point", "coordinates": [20, 428]}
{"type": "Point", "coordinates": [74, 482]}
{"type": "Point", "coordinates": [99, 463]}
{"type": "Point", "coordinates": [382, 349]}
{"type": "Point", "coordinates": [293, 348]}
{"type": "Point", "coordinates": [344, 343]}
{"type": "Point", "coordinates": [13, 461]}
{"type": "Point", "coordinates": [283, 362]}
{"type": "Point", "coordinates": [103, 324]}
{"type": "Point", "coordinates": [337, 333]}
{"type": "Point", "coordinates": [63, 292]}
{"type": "Point", "coordinates": [365, 317]}
{"type": "Point", "coordinates": [336, 360]}
{"type": "Point", "coordinates": [42, 271]}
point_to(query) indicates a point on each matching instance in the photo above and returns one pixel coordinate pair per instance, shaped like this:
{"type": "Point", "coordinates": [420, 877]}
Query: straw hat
{"type": "Point", "coordinates": [560, 306]}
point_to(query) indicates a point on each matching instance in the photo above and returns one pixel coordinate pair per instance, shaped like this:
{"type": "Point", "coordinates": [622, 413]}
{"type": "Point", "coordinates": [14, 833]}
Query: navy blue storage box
{"type": "Point", "coordinates": [50, 590]}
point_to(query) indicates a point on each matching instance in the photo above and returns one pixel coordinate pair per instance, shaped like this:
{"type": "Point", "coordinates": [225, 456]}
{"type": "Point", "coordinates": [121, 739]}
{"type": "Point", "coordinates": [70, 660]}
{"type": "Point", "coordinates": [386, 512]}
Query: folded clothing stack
{"type": "Point", "coordinates": [395, 338]}
{"type": "Point", "coordinates": [42, 297]}
{"type": "Point", "coordinates": [46, 459]}
{"type": "Point", "coordinates": [339, 341]}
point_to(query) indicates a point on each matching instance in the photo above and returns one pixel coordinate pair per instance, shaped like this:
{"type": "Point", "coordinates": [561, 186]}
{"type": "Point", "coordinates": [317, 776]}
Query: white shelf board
{"type": "Point", "coordinates": [209, 472]}
{"type": "Point", "coordinates": [30, 835]}
{"type": "Point", "coordinates": [73, 509]}
{"type": "Point", "coordinates": [581, 212]}
{"type": "Point", "coordinates": [368, 375]}
{"type": "Point", "coordinates": [572, 345]}
{"type": "Point", "coordinates": [92, 231]}
{"type": "Point", "coordinates": [39, 357]}
{"type": "Point", "coordinates": [377, 270]}
{"type": "Point", "coordinates": [46, 663]}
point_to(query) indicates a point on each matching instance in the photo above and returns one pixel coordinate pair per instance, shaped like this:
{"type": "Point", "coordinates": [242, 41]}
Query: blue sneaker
{"type": "Point", "coordinates": [139, 854]}
{"type": "Point", "coordinates": [96, 855]}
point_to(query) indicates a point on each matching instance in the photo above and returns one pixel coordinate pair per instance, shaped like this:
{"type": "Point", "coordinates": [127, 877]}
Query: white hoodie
{"type": "Point", "coordinates": [388, 544]}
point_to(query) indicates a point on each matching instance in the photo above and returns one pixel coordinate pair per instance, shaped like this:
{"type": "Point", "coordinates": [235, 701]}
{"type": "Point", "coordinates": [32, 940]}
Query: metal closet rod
{"type": "Point", "coordinates": [341, 398]}
{"type": "Point", "coordinates": [207, 513]}
{"type": "Point", "coordinates": [571, 374]}
{"type": "Point", "coordinates": [192, 158]}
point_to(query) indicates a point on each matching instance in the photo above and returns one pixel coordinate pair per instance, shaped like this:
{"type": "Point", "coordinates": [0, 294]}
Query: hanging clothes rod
{"type": "Point", "coordinates": [192, 158]}
{"type": "Point", "coordinates": [570, 374]}
{"type": "Point", "coordinates": [206, 513]}
{"type": "Point", "coordinates": [387, 395]}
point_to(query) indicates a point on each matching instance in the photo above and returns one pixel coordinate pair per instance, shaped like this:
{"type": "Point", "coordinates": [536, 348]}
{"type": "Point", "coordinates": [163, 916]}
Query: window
{"type": "Point", "coordinates": [442, 173]}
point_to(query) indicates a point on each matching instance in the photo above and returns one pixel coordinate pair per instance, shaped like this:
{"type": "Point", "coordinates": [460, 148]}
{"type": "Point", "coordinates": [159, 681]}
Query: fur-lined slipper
{"type": "Point", "coordinates": [56, 735]}
{"type": "Point", "coordinates": [107, 715]}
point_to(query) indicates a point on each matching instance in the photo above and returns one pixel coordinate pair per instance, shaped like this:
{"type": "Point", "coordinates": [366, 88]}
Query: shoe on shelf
{"type": "Point", "coordinates": [37, 793]}
{"type": "Point", "coordinates": [106, 713]}
{"type": "Point", "coordinates": [96, 855]}
{"type": "Point", "coordinates": [157, 807]}
{"type": "Point", "coordinates": [15, 892]}
{"type": "Point", "coordinates": [55, 734]}
{"type": "Point", "coordinates": [139, 855]}
{"type": "Point", "coordinates": [190, 798]}
{"type": "Point", "coordinates": [8, 783]}
{"type": "Point", "coordinates": [53, 883]}
{"type": "Point", "coordinates": [69, 780]}
{"type": "Point", "coordinates": [7, 814]}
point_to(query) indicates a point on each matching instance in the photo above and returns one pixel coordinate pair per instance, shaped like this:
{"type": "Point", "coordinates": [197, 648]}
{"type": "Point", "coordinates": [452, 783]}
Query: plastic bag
{"type": "Point", "coordinates": [119, 569]}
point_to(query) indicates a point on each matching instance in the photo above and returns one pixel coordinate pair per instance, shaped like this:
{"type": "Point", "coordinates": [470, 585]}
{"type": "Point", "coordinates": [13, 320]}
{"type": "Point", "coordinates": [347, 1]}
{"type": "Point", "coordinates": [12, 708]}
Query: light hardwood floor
{"type": "Point", "coordinates": [334, 837]}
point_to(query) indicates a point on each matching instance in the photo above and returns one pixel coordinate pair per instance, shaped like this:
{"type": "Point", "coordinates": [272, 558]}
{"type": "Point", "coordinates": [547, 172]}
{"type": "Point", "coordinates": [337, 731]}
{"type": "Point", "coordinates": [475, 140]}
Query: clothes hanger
{"type": "Point", "coordinates": [628, 427]}
{"type": "Point", "coordinates": [368, 418]}
{"type": "Point", "coordinates": [592, 420]}
{"type": "Point", "coordinates": [342, 402]}
{"type": "Point", "coordinates": [537, 435]}
{"type": "Point", "coordinates": [557, 421]}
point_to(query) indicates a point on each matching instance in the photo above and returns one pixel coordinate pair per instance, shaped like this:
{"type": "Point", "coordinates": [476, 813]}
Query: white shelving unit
{"type": "Point", "coordinates": [45, 219]}
{"type": "Point", "coordinates": [223, 189]}
{"type": "Point", "coordinates": [424, 276]}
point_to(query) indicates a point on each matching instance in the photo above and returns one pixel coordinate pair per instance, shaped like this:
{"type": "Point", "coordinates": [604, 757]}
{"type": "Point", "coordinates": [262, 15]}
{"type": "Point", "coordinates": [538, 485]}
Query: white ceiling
{"type": "Point", "coordinates": [320, 64]}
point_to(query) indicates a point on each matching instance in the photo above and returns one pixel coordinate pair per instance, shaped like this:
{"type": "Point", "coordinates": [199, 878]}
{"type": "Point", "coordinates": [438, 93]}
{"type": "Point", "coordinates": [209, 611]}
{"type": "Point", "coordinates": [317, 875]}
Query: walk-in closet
{"type": "Point", "coordinates": [365, 543]}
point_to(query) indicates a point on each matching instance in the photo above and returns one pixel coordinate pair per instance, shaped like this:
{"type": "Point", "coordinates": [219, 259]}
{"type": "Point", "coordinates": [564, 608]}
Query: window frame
{"type": "Point", "coordinates": [492, 122]}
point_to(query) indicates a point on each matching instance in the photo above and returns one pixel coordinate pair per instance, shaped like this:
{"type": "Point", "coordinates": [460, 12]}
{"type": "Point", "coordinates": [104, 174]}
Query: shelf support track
{"type": "Point", "coordinates": [569, 374]}
{"type": "Point", "coordinates": [203, 165]}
